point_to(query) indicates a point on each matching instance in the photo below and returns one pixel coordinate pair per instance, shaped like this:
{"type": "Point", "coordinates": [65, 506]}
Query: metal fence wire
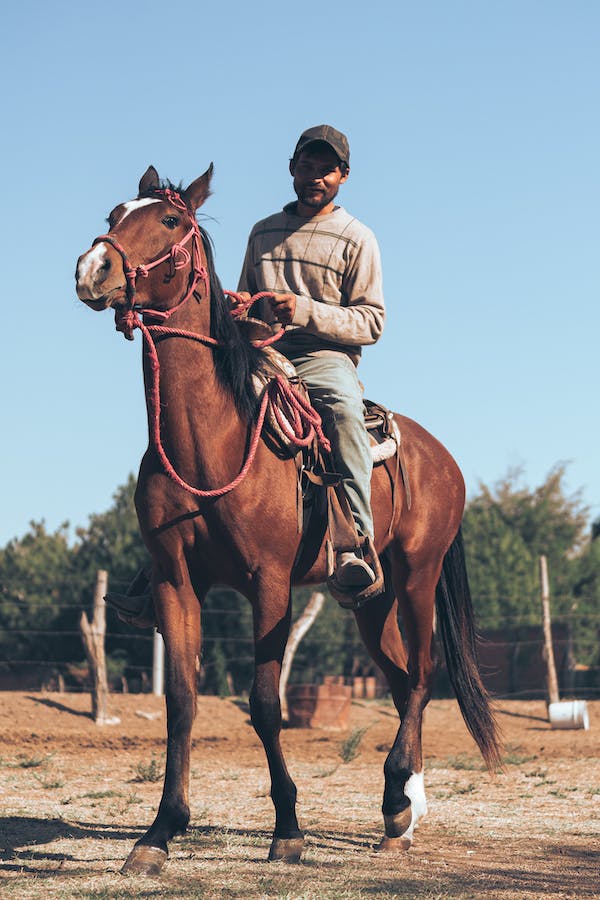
{"type": "Point", "coordinates": [511, 656]}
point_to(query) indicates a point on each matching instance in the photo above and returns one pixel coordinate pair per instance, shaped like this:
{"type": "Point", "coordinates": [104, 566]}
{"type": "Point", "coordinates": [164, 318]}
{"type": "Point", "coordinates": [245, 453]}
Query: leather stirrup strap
{"type": "Point", "coordinates": [404, 471]}
{"type": "Point", "coordinates": [344, 536]}
{"type": "Point", "coordinates": [399, 468]}
{"type": "Point", "coordinates": [342, 527]}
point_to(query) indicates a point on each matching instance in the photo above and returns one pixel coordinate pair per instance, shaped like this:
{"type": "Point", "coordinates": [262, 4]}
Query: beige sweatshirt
{"type": "Point", "coordinates": [332, 265]}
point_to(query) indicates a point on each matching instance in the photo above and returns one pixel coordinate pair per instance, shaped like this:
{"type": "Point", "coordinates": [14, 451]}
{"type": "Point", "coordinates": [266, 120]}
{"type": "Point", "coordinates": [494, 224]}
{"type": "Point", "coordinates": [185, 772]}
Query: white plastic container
{"type": "Point", "coordinates": [569, 714]}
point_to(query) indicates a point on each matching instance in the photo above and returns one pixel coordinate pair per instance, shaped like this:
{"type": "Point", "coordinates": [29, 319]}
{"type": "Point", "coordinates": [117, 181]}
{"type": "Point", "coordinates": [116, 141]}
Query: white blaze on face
{"type": "Point", "coordinates": [90, 263]}
{"type": "Point", "coordinates": [415, 791]}
{"type": "Point", "coordinates": [131, 205]}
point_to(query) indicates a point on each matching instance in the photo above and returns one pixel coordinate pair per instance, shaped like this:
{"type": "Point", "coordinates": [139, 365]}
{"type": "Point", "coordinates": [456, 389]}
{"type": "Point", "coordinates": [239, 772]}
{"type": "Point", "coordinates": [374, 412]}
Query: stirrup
{"type": "Point", "coordinates": [347, 598]}
{"type": "Point", "coordinates": [133, 609]}
{"type": "Point", "coordinates": [352, 571]}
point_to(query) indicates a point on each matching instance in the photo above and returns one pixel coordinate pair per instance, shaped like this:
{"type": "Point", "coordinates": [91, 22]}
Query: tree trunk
{"type": "Point", "coordinates": [299, 629]}
{"type": "Point", "coordinates": [93, 635]}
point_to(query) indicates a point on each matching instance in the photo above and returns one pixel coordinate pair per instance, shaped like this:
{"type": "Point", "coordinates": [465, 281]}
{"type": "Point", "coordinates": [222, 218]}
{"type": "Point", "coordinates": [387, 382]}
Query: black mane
{"type": "Point", "coordinates": [236, 360]}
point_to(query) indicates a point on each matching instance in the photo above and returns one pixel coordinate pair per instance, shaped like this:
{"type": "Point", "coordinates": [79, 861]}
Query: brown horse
{"type": "Point", "coordinates": [202, 414]}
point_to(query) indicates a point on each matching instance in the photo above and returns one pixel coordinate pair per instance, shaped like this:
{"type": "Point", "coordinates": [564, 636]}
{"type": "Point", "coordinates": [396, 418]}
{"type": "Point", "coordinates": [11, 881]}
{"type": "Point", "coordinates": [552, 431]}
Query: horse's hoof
{"type": "Point", "coordinates": [394, 844]}
{"type": "Point", "coordinates": [144, 860]}
{"type": "Point", "coordinates": [398, 832]}
{"type": "Point", "coordinates": [287, 850]}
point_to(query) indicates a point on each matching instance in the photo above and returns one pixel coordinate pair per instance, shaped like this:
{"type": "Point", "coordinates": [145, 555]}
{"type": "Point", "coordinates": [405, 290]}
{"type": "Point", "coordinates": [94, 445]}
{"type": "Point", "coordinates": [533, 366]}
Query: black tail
{"type": "Point", "coordinates": [457, 630]}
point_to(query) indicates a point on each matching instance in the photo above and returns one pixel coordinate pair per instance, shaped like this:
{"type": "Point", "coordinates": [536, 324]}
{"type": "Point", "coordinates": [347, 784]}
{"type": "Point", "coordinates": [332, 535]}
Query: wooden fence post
{"type": "Point", "coordinates": [93, 635]}
{"type": "Point", "coordinates": [299, 629]}
{"type": "Point", "coordinates": [551, 679]}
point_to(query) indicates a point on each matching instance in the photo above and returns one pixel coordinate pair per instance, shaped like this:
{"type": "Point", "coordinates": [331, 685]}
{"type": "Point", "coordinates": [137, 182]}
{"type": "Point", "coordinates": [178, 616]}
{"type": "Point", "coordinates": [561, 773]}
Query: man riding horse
{"type": "Point", "coordinates": [216, 506]}
{"type": "Point", "coordinates": [323, 267]}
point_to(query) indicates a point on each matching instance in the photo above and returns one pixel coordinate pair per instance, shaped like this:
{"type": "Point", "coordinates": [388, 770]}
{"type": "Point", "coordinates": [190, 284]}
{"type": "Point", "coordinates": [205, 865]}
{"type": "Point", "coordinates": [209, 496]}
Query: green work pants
{"type": "Point", "coordinates": [336, 394]}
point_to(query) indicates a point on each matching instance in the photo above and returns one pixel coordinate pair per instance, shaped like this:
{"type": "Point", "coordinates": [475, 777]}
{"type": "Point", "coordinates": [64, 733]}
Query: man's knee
{"type": "Point", "coordinates": [341, 406]}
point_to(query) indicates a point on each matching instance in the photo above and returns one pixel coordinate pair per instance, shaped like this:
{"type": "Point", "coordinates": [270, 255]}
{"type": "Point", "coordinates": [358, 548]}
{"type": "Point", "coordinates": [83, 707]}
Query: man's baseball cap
{"type": "Point", "coordinates": [327, 135]}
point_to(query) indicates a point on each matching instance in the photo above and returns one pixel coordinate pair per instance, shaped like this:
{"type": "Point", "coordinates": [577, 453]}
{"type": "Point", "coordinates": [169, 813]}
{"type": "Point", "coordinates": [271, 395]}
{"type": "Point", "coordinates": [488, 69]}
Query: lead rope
{"type": "Point", "coordinates": [155, 421]}
{"type": "Point", "coordinates": [294, 414]}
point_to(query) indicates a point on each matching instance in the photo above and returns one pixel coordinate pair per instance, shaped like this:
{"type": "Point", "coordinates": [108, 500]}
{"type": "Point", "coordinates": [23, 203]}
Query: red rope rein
{"type": "Point", "coordinates": [296, 418]}
{"type": "Point", "coordinates": [299, 422]}
{"type": "Point", "coordinates": [155, 423]}
{"type": "Point", "coordinates": [241, 306]}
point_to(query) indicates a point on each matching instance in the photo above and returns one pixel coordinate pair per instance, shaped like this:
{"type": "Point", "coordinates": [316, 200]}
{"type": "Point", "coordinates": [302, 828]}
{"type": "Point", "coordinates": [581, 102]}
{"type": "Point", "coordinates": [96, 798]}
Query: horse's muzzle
{"type": "Point", "coordinates": [98, 282]}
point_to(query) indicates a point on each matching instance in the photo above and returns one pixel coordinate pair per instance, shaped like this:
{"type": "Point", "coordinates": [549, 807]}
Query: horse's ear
{"type": "Point", "coordinates": [149, 181]}
{"type": "Point", "coordinates": [199, 190]}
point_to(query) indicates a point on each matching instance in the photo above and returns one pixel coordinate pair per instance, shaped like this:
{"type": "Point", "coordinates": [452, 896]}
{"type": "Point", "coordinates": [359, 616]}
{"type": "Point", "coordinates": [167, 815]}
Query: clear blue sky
{"type": "Point", "coordinates": [475, 141]}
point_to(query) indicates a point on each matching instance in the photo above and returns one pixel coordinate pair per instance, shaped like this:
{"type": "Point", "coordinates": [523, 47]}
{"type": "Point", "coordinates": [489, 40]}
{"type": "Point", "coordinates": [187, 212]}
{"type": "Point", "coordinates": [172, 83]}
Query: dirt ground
{"type": "Point", "coordinates": [76, 796]}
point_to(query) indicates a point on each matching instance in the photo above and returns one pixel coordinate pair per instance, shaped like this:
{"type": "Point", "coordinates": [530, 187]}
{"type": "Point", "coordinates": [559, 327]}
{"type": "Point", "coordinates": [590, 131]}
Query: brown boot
{"type": "Point", "coordinates": [351, 571]}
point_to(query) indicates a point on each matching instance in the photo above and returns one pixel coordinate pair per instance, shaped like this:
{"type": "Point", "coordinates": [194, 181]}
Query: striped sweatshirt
{"type": "Point", "coordinates": [332, 265]}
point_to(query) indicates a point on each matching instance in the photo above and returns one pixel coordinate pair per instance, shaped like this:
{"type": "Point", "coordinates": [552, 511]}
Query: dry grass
{"type": "Point", "coordinates": [67, 825]}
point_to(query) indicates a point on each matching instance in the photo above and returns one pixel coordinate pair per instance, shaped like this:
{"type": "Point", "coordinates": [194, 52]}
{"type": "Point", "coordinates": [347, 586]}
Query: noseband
{"type": "Point", "coordinates": [178, 256]}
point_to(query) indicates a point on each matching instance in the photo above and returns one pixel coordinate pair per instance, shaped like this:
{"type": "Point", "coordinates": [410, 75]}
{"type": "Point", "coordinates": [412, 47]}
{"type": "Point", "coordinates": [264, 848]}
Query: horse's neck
{"type": "Point", "coordinates": [198, 415]}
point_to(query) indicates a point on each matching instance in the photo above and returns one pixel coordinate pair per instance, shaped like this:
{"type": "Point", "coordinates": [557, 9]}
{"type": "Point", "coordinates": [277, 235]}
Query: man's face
{"type": "Point", "coordinates": [317, 178]}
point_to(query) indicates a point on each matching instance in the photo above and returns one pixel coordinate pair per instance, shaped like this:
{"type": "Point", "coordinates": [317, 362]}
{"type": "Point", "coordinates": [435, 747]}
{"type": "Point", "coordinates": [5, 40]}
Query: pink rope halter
{"type": "Point", "coordinates": [178, 256]}
{"type": "Point", "coordinates": [297, 419]}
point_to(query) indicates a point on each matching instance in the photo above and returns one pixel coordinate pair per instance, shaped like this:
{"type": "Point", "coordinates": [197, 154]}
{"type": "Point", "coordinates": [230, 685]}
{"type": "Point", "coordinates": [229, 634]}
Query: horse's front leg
{"type": "Point", "coordinates": [178, 612]}
{"type": "Point", "coordinates": [271, 629]}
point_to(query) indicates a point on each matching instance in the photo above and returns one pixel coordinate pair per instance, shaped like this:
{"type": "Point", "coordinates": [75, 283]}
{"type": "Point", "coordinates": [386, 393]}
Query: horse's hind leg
{"type": "Point", "coordinates": [410, 681]}
{"type": "Point", "coordinates": [271, 628]}
{"type": "Point", "coordinates": [179, 616]}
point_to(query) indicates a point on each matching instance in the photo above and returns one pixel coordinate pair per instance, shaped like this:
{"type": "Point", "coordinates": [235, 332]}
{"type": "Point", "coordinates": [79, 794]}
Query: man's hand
{"type": "Point", "coordinates": [283, 307]}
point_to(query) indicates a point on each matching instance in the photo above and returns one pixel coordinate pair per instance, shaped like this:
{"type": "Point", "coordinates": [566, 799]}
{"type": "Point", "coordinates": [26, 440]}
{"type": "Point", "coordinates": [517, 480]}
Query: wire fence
{"type": "Point", "coordinates": [511, 656]}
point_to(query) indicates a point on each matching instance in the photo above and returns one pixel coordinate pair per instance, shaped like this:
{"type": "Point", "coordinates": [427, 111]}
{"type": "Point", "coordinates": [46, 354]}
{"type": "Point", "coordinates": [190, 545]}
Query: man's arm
{"type": "Point", "coordinates": [359, 321]}
{"type": "Point", "coordinates": [280, 308]}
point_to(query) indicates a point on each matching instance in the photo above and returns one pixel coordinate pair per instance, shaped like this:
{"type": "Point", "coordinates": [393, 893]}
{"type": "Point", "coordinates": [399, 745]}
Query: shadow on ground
{"type": "Point", "coordinates": [54, 704]}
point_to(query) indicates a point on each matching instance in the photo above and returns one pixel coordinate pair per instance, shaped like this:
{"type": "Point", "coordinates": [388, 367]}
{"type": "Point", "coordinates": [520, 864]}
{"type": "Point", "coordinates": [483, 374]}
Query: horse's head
{"type": "Point", "coordinates": [151, 252]}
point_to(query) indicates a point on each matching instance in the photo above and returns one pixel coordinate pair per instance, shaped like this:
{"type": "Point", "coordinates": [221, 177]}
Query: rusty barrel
{"type": "Point", "coordinates": [319, 706]}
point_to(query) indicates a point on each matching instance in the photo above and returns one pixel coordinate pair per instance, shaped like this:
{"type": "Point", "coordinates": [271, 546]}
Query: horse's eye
{"type": "Point", "coordinates": [170, 221]}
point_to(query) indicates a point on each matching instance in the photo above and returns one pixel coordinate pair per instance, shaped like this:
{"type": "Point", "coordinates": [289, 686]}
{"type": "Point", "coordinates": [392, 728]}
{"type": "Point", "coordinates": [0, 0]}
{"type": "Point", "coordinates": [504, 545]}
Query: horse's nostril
{"type": "Point", "coordinates": [103, 271]}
